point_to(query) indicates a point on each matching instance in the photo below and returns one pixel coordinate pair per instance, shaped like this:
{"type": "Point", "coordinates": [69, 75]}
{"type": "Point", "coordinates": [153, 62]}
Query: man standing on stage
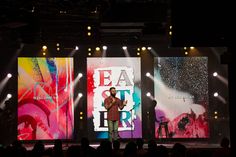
{"type": "Point", "coordinates": [112, 103]}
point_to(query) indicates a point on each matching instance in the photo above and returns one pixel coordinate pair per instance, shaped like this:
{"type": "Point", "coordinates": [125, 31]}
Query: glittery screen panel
{"type": "Point", "coordinates": [181, 91]}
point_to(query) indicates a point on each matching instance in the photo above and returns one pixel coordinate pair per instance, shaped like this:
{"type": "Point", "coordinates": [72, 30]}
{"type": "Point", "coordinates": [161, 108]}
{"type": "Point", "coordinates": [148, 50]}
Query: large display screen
{"type": "Point", "coordinates": [123, 73]}
{"type": "Point", "coordinates": [181, 93]}
{"type": "Point", "coordinates": [45, 98]}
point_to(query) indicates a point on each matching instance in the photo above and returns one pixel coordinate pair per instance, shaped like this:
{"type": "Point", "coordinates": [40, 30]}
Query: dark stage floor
{"type": "Point", "coordinates": [192, 144]}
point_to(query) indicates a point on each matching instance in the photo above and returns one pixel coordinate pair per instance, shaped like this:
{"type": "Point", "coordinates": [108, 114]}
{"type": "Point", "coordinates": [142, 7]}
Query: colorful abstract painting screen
{"type": "Point", "coordinates": [45, 98]}
{"type": "Point", "coordinates": [123, 73]}
{"type": "Point", "coordinates": [181, 93]}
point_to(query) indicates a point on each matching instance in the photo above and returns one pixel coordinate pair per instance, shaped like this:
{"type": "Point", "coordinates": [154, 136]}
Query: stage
{"type": "Point", "coordinates": [169, 145]}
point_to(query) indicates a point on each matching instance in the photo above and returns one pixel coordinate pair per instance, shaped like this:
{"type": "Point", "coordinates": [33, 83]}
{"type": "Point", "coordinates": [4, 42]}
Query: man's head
{"type": "Point", "coordinates": [113, 91]}
{"type": "Point", "coordinates": [154, 103]}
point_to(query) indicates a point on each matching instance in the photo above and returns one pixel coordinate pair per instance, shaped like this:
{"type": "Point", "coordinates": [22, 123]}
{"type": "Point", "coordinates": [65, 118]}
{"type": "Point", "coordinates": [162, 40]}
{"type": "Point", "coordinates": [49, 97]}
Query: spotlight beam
{"type": "Point", "coordinates": [72, 52]}
{"type": "Point", "coordinates": [126, 53]}
{"type": "Point", "coordinates": [149, 95]}
{"type": "Point", "coordinates": [104, 51]}
{"type": "Point", "coordinates": [2, 103]}
{"type": "Point", "coordinates": [3, 83]}
{"type": "Point", "coordinates": [76, 102]}
{"type": "Point", "coordinates": [76, 80]}
{"type": "Point", "coordinates": [154, 53]}
{"type": "Point", "coordinates": [222, 79]}
{"type": "Point", "coordinates": [221, 99]}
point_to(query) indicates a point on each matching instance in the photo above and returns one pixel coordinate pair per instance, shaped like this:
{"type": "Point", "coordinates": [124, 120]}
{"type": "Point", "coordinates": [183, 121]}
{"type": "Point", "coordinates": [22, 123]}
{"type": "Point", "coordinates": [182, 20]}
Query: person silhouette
{"type": "Point", "coordinates": [161, 120]}
{"type": "Point", "coordinates": [152, 118]}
